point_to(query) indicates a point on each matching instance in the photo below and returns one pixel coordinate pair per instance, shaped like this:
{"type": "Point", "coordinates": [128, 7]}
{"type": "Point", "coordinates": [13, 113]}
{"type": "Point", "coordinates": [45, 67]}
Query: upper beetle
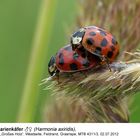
{"type": "Point", "coordinates": [97, 41]}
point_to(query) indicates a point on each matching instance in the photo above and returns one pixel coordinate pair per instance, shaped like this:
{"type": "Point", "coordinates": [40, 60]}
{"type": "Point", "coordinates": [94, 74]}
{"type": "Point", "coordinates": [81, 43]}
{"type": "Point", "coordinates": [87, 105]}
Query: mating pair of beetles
{"type": "Point", "coordinates": [89, 46]}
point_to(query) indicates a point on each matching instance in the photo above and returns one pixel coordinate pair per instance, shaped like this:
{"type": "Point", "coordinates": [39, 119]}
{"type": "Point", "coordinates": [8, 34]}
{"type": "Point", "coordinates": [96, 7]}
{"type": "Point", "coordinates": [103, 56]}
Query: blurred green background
{"type": "Point", "coordinates": [18, 19]}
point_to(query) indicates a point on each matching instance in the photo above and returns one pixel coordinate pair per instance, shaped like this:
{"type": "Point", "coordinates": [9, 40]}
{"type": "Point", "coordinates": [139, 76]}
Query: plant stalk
{"type": "Point", "coordinates": [37, 60]}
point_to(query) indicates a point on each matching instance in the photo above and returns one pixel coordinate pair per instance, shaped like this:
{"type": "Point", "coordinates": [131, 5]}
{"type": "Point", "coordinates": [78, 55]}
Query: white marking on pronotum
{"type": "Point", "coordinates": [76, 40]}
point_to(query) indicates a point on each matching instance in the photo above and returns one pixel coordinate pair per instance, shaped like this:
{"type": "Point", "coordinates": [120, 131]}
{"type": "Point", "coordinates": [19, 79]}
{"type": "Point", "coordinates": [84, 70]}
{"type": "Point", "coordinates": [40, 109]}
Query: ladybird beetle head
{"type": "Point", "coordinates": [77, 37]}
{"type": "Point", "coordinates": [52, 69]}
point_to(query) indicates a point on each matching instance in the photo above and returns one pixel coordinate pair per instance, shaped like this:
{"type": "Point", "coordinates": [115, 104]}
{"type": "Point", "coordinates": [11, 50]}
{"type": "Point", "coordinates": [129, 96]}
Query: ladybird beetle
{"type": "Point", "coordinates": [96, 41]}
{"type": "Point", "coordinates": [67, 60]}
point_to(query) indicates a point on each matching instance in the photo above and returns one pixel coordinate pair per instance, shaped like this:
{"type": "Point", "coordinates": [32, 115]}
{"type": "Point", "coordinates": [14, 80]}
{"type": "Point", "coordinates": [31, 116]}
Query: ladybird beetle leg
{"type": "Point", "coordinates": [105, 59]}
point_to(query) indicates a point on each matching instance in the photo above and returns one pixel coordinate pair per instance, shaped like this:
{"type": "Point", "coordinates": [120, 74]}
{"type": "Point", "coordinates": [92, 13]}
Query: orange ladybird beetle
{"type": "Point", "coordinates": [97, 41]}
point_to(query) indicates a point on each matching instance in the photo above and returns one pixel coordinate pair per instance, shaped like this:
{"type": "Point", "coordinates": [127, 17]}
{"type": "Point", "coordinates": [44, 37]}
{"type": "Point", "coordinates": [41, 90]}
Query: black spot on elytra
{"type": "Point", "coordinates": [103, 33]}
{"type": "Point", "coordinates": [114, 42]}
{"type": "Point", "coordinates": [112, 48]}
{"type": "Point", "coordinates": [109, 54]}
{"type": "Point", "coordinates": [98, 50]}
{"type": "Point", "coordinates": [92, 33]}
{"type": "Point", "coordinates": [61, 59]}
{"type": "Point", "coordinates": [73, 66]}
{"type": "Point", "coordinates": [104, 42]}
{"type": "Point", "coordinates": [90, 41]}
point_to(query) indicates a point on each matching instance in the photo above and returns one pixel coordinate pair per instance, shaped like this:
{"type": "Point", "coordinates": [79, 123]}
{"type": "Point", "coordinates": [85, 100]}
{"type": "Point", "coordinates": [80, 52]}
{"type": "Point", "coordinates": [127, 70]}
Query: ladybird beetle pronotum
{"type": "Point", "coordinates": [67, 60]}
{"type": "Point", "coordinates": [97, 41]}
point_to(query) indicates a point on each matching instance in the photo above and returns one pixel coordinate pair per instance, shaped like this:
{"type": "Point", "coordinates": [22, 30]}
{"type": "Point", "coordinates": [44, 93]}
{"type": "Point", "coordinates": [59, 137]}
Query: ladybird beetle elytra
{"type": "Point", "coordinates": [73, 61]}
{"type": "Point", "coordinates": [97, 41]}
{"type": "Point", "coordinates": [67, 60]}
